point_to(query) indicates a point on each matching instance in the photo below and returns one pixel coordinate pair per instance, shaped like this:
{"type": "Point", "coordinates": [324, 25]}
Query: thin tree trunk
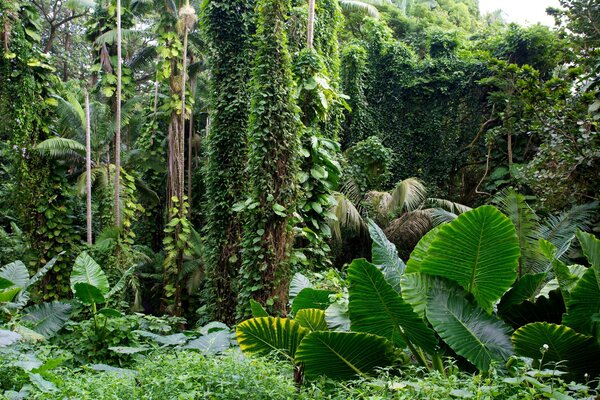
{"type": "Point", "coordinates": [190, 137]}
{"type": "Point", "coordinates": [118, 124]}
{"type": "Point", "coordinates": [88, 168]}
{"type": "Point", "coordinates": [310, 24]}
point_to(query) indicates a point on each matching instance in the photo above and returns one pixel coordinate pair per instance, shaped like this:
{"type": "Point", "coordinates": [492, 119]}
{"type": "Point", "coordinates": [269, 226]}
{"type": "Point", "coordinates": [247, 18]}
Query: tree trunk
{"type": "Point", "coordinates": [118, 124]}
{"type": "Point", "coordinates": [310, 24]}
{"type": "Point", "coordinates": [88, 169]}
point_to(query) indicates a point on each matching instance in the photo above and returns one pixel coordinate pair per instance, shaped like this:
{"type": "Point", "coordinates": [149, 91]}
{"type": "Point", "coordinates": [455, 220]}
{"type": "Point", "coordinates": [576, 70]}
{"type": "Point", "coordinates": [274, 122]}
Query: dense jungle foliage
{"type": "Point", "coordinates": [284, 199]}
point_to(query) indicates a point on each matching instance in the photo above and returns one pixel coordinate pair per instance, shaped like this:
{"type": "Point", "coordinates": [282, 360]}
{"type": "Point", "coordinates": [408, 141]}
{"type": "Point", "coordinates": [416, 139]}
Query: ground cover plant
{"type": "Point", "coordinates": [298, 199]}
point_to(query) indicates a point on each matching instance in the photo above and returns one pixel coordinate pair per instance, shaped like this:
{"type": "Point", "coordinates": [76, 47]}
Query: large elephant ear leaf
{"type": "Point", "coordinates": [420, 251]}
{"type": "Point", "coordinates": [47, 318]}
{"type": "Point", "coordinates": [343, 355]}
{"type": "Point", "coordinates": [583, 305]}
{"type": "Point", "coordinates": [86, 270]}
{"type": "Point", "coordinates": [384, 256]}
{"type": "Point", "coordinates": [578, 353]}
{"type": "Point", "coordinates": [266, 335]}
{"type": "Point", "coordinates": [312, 298]}
{"type": "Point", "coordinates": [479, 250]}
{"type": "Point", "coordinates": [16, 272]}
{"type": "Point", "coordinates": [312, 318]}
{"type": "Point", "coordinates": [591, 248]}
{"type": "Point", "coordinates": [5, 283]}
{"type": "Point", "coordinates": [375, 307]}
{"type": "Point", "coordinates": [467, 329]}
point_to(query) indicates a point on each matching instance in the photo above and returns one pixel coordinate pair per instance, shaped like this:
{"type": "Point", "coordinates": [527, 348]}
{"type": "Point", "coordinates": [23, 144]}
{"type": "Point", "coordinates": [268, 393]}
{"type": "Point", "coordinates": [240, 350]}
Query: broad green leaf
{"type": "Point", "coordinates": [9, 294]}
{"type": "Point", "coordinates": [8, 337]}
{"type": "Point", "coordinates": [544, 309]}
{"type": "Point", "coordinates": [5, 283]}
{"type": "Point", "coordinates": [265, 335]}
{"type": "Point", "coordinates": [525, 288]}
{"type": "Point", "coordinates": [16, 272]}
{"type": "Point", "coordinates": [375, 307]}
{"type": "Point", "coordinates": [312, 318]}
{"type": "Point", "coordinates": [343, 355]}
{"type": "Point", "coordinates": [128, 350]}
{"type": "Point", "coordinates": [213, 343]}
{"type": "Point", "coordinates": [577, 353]}
{"type": "Point", "coordinates": [213, 326]}
{"type": "Point", "coordinates": [337, 317]}
{"type": "Point", "coordinates": [122, 372]}
{"type": "Point", "coordinates": [480, 251]}
{"type": "Point", "coordinates": [311, 298]}
{"type": "Point", "coordinates": [385, 256]}
{"type": "Point", "coordinates": [467, 329]}
{"type": "Point", "coordinates": [420, 251]}
{"type": "Point", "coordinates": [88, 294]}
{"type": "Point", "coordinates": [591, 248]}
{"type": "Point", "coordinates": [257, 309]}
{"type": "Point", "coordinates": [110, 312]}
{"type": "Point", "coordinates": [298, 283]}
{"type": "Point", "coordinates": [583, 306]}
{"type": "Point", "coordinates": [167, 340]}
{"type": "Point", "coordinates": [564, 276]}
{"type": "Point", "coordinates": [414, 290]}
{"type": "Point", "coordinates": [86, 270]}
{"type": "Point", "coordinates": [47, 318]}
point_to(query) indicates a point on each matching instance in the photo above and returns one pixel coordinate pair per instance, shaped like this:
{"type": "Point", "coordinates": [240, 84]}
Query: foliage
{"type": "Point", "coordinates": [272, 165]}
{"type": "Point", "coordinates": [228, 30]}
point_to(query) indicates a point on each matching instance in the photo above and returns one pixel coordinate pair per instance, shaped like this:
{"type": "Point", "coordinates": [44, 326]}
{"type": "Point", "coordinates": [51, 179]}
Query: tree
{"type": "Point", "coordinates": [272, 165]}
{"type": "Point", "coordinates": [118, 123]}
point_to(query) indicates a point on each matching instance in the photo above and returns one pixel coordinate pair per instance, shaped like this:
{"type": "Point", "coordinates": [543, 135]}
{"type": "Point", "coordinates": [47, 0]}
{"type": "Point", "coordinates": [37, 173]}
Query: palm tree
{"type": "Point", "coordinates": [88, 169]}
{"type": "Point", "coordinates": [405, 214]}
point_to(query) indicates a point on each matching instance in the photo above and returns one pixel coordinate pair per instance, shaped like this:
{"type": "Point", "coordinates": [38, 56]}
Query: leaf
{"type": "Point", "coordinates": [42, 384]}
{"type": "Point", "coordinates": [213, 343]}
{"type": "Point", "coordinates": [298, 283]}
{"type": "Point", "coordinates": [579, 354]}
{"type": "Point", "coordinates": [128, 350]}
{"type": "Point", "coordinates": [420, 251]}
{"type": "Point", "coordinates": [5, 283]}
{"type": "Point", "coordinates": [86, 270]}
{"type": "Point", "coordinates": [385, 256]}
{"type": "Point", "coordinates": [375, 307]}
{"type": "Point", "coordinates": [591, 249]}
{"type": "Point", "coordinates": [168, 340]}
{"type": "Point", "coordinates": [479, 250]}
{"type": "Point", "coordinates": [343, 355]}
{"type": "Point", "coordinates": [583, 305]}
{"type": "Point", "coordinates": [337, 317]}
{"type": "Point", "coordinates": [311, 298]}
{"type": "Point", "coordinates": [257, 309]}
{"type": "Point", "coordinates": [312, 318]}
{"type": "Point", "coordinates": [9, 294]}
{"type": "Point", "coordinates": [265, 335]}
{"type": "Point", "coordinates": [8, 337]}
{"type": "Point", "coordinates": [524, 289]}
{"type": "Point", "coordinates": [213, 326]}
{"type": "Point", "coordinates": [543, 309]}
{"type": "Point", "coordinates": [467, 329]}
{"type": "Point", "coordinates": [414, 290]}
{"type": "Point", "coordinates": [16, 272]}
{"type": "Point", "coordinates": [88, 294]}
{"type": "Point", "coordinates": [564, 275]}
{"type": "Point", "coordinates": [47, 318]}
{"type": "Point", "coordinates": [121, 372]}
{"type": "Point", "coordinates": [42, 271]}
{"type": "Point", "coordinates": [110, 312]}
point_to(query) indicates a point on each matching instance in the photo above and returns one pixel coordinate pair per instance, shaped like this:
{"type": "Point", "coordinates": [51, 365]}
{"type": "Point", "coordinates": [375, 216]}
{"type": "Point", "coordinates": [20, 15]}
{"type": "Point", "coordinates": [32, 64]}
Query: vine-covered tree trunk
{"type": "Point", "coordinates": [227, 24]}
{"type": "Point", "coordinates": [272, 166]}
{"type": "Point", "coordinates": [118, 124]}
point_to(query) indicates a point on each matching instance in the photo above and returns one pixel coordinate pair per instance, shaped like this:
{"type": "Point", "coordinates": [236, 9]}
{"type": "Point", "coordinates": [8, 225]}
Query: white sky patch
{"type": "Point", "coordinates": [525, 12]}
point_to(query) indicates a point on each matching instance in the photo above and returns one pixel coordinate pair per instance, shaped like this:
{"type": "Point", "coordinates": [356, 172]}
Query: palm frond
{"type": "Point", "coordinates": [348, 220]}
{"type": "Point", "coordinates": [526, 223]}
{"type": "Point", "coordinates": [71, 117]}
{"type": "Point", "coordinates": [406, 231]}
{"type": "Point", "coordinates": [439, 216]}
{"type": "Point", "coordinates": [143, 58]}
{"type": "Point", "coordinates": [560, 229]}
{"type": "Point", "coordinates": [99, 178]}
{"type": "Point", "coordinates": [61, 148]}
{"type": "Point", "coordinates": [355, 5]}
{"type": "Point", "coordinates": [450, 206]}
{"type": "Point", "coordinates": [407, 196]}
